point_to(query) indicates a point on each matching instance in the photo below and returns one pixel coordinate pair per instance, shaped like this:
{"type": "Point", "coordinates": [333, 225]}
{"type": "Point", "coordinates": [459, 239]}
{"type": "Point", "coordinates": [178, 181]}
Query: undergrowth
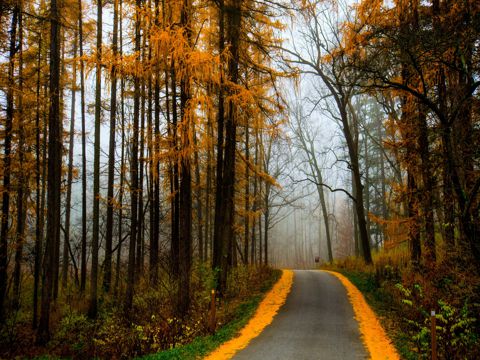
{"type": "Point", "coordinates": [403, 297]}
{"type": "Point", "coordinates": [150, 328]}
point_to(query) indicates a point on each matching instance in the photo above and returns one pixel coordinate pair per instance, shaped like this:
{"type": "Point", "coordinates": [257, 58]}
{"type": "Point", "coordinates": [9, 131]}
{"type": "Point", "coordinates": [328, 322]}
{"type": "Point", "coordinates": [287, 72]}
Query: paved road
{"type": "Point", "coordinates": [316, 322]}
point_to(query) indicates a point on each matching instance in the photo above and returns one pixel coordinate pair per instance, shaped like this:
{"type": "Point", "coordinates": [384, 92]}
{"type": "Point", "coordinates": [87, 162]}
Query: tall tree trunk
{"type": "Point", "coordinates": [326, 223]}
{"type": "Point", "coordinates": [198, 205]}
{"type": "Point", "coordinates": [358, 249]}
{"type": "Point", "coordinates": [83, 261]}
{"type": "Point", "coordinates": [413, 231]}
{"type": "Point", "coordinates": [247, 194]}
{"type": "Point", "coordinates": [367, 186]}
{"type": "Point", "coordinates": [155, 170]}
{"type": "Point", "coordinates": [22, 175]}
{"type": "Point", "coordinates": [66, 240]}
{"type": "Point", "coordinates": [359, 199]}
{"type": "Point", "coordinates": [218, 246]}
{"type": "Point", "coordinates": [107, 275]}
{"type": "Point", "coordinates": [266, 217]}
{"type": "Point", "coordinates": [7, 162]}
{"type": "Point", "coordinates": [151, 166]}
{"type": "Point", "coordinates": [255, 204]}
{"type": "Point", "coordinates": [134, 171]}
{"type": "Point", "coordinates": [384, 184]}
{"type": "Point", "coordinates": [54, 175]}
{"type": "Point", "coordinates": [141, 160]}
{"type": "Point", "coordinates": [185, 199]}
{"type": "Point", "coordinates": [448, 222]}
{"type": "Point", "coordinates": [92, 310]}
{"type": "Point", "coordinates": [209, 187]}
{"type": "Point", "coordinates": [174, 246]}
{"type": "Point", "coordinates": [56, 272]}
{"type": "Point", "coordinates": [155, 236]}
{"type": "Point", "coordinates": [122, 161]}
{"type": "Point", "coordinates": [122, 177]}
{"type": "Point", "coordinates": [428, 183]}
{"type": "Point", "coordinates": [38, 210]}
{"type": "Point", "coordinates": [151, 147]}
{"type": "Point", "coordinates": [260, 232]}
{"type": "Point", "coordinates": [227, 181]}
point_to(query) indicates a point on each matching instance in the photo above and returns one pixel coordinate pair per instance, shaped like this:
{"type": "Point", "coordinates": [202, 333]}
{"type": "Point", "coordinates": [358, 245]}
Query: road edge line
{"type": "Point", "coordinates": [263, 316]}
{"type": "Point", "coordinates": [372, 333]}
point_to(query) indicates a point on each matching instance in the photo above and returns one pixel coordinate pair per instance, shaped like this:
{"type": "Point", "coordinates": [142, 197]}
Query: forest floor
{"type": "Point", "coordinates": [151, 331]}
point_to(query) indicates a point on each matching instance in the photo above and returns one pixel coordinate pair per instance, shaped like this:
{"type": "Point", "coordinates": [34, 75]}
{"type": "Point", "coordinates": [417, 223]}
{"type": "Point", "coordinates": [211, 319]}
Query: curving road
{"type": "Point", "coordinates": [316, 322]}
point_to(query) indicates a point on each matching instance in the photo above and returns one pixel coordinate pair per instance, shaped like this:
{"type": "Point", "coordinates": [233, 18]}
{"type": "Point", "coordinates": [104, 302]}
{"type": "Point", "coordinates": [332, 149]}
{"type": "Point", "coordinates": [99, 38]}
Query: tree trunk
{"type": "Point", "coordinates": [359, 200]}
{"type": "Point", "coordinates": [209, 189]}
{"type": "Point", "coordinates": [38, 209]}
{"type": "Point", "coordinates": [384, 185]}
{"type": "Point", "coordinates": [323, 204]}
{"type": "Point", "coordinates": [22, 175]}
{"type": "Point", "coordinates": [260, 232]}
{"type": "Point", "coordinates": [247, 194]}
{"type": "Point", "coordinates": [227, 183]}
{"type": "Point", "coordinates": [198, 205]}
{"type": "Point", "coordinates": [218, 251]}
{"type": "Point", "coordinates": [428, 183]}
{"type": "Point", "coordinates": [367, 186]}
{"type": "Point", "coordinates": [134, 172]}
{"type": "Point", "coordinates": [66, 240]}
{"type": "Point", "coordinates": [358, 250]}
{"type": "Point", "coordinates": [122, 161]}
{"type": "Point", "coordinates": [155, 230]}
{"type": "Point", "coordinates": [107, 275]}
{"type": "Point", "coordinates": [56, 271]}
{"type": "Point", "coordinates": [413, 231]}
{"type": "Point", "coordinates": [151, 171]}
{"type": "Point", "coordinates": [83, 261]}
{"type": "Point", "coordinates": [174, 187]}
{"type": "Point", "coordinates": [185, 199]}
{"type": "Point", "coordinates": [266, 217]}
{"type": "Point", "coordinates": [141, 218]}
{"type": "Point", "coordinates": [255, 205]}
{"type": "Point", "coordinates": [7, 162]}
{"type": "Point", "coordinates": [92, 310]}
{"type": "Point", "coordinates": [54, 176]}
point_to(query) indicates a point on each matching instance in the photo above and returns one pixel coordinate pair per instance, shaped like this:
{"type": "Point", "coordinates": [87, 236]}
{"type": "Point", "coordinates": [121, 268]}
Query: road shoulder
{"type": "Point", "coordinates": [373, 334]}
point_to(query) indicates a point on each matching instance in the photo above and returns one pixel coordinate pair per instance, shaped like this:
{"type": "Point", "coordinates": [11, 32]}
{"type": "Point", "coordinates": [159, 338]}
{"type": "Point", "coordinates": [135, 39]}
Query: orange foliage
{"type": "Point", "coordinates": [266, 311]}
{"type": "Point", "coordinates": [376, 340]}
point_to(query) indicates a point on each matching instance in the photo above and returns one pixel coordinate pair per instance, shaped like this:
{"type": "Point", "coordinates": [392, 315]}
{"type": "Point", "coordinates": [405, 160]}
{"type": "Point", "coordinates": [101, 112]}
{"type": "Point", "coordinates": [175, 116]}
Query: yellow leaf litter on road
{"type": "Point", "coordinates": [373, 335]}
{"type": "Point", "coordinates": [266, 311]}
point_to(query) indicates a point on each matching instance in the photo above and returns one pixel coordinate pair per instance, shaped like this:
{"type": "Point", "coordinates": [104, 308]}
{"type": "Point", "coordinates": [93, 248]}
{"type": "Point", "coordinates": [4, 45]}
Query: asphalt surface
{"type": "Point", "coordinates": [316, 322]}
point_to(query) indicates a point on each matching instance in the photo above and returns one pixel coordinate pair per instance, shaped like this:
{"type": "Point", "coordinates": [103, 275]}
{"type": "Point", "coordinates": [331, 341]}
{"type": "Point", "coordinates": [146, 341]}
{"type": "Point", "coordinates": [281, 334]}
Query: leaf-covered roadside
{"type": "Point", "coordinates": [403, 297]}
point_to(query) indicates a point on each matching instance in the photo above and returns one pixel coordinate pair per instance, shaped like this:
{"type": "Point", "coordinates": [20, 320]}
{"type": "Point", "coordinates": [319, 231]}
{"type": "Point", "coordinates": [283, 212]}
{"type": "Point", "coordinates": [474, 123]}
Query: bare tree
{"type": "Point", "coordinates": [306, 142]}
{"type": "Point", "coordinates": [320, 36]}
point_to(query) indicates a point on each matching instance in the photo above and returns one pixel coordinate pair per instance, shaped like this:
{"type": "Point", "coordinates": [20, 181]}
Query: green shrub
{"type": "Point", "coordinates": [455, 327]}
{"type": "Point", "coordinates": [74, 334]}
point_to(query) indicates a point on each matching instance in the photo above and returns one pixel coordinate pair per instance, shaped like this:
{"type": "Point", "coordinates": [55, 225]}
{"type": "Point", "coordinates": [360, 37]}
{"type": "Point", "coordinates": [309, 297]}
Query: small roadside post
{"type": "Point", "coordinates": [212, 322]}
{"type": "Point", "coordinates": [434, 334]}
